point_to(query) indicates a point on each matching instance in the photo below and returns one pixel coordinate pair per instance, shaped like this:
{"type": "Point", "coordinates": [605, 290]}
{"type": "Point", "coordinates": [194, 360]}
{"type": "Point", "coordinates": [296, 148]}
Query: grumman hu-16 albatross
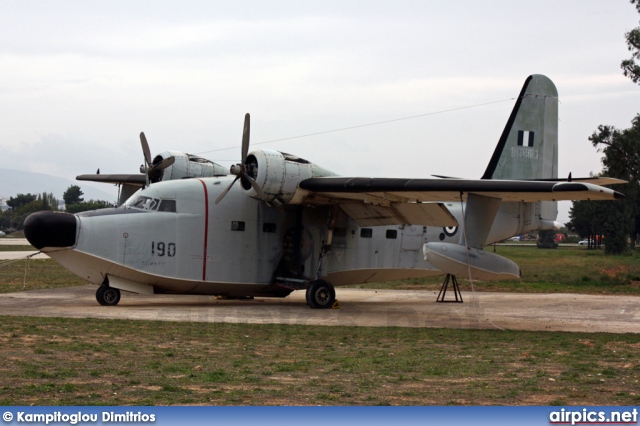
{"type": "Point", "coordinates": [277, 223]}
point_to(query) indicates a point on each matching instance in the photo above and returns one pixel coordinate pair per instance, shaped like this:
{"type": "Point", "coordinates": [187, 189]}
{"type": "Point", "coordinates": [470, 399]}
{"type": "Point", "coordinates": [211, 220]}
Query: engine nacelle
{"type": "Point", "coordinates": [185, 166]}
{"type": "Point", "coordinates": [278, 174]}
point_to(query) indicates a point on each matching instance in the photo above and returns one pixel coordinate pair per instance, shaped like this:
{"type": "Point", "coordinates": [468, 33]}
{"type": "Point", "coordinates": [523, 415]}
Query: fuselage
{"type": "Point", "coordinates": [173, 237]}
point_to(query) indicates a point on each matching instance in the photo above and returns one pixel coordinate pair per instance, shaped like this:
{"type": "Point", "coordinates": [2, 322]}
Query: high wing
{"type": "Point", "coordinates": [385, 201]}
{"type": "Point", "coordinates": [596, 180]}
{"type": "Point", "coordinates": [339, 189]}
{"type": "Point", "coordinates": [135, 180]}
{"type": "Point", "coordinates": [128, 184]}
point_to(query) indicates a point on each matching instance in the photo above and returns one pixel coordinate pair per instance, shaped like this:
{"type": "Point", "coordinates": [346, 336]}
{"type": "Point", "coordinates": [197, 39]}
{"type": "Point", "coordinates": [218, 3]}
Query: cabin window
{"type": "Point", "coordinates": [167, 206]}
{"type": "Point", "coordinates": [392, 234]}
{"type": "Point", "coordinates": [269, 228]}
{"type": "Point", "coordinates": [366, 233]}
{"type": "Point", "coordinates": [237, 225]}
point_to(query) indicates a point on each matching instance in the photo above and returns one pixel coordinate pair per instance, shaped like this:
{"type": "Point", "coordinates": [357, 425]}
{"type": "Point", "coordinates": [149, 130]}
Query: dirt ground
{"type": "Point", "coordinates": [377, 308]}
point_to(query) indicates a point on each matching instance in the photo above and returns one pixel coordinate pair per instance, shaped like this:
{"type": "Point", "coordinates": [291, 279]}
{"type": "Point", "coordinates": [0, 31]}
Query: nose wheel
{"type": "Point", "coordinates": [321, 295]}
{"type": "Point", "coordinates": [107, 296]}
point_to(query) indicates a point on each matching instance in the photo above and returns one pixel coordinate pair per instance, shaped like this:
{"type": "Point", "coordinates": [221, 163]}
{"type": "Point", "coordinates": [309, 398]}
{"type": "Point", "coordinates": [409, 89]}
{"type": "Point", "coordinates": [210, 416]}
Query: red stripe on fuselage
{"type": "Point", "coordinates": [206, 230]}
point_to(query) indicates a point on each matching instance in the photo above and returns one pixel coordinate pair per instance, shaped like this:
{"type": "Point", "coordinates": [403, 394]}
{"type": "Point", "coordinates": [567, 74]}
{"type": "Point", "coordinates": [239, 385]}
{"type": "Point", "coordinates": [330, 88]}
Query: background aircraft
{"type": "Point", "coordinates": [278, 223]}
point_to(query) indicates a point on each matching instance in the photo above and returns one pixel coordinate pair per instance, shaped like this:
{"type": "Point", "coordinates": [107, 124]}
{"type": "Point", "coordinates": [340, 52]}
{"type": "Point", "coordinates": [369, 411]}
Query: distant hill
{"type": "Point", "coordinates": [14, 182]}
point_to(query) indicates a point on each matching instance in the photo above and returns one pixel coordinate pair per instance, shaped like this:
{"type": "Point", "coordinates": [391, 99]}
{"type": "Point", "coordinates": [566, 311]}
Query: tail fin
{"type": "Point", "coordinates": [528, 147]}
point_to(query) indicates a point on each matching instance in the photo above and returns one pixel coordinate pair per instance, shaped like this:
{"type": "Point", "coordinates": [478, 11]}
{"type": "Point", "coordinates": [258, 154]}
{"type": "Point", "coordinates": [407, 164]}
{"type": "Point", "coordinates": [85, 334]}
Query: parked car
{"type": "Point", "coordinates": [584, 242]}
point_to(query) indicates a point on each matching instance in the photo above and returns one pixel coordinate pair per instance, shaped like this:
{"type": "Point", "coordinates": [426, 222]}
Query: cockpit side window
{"type": "Point", "coordinates": [167, 206]}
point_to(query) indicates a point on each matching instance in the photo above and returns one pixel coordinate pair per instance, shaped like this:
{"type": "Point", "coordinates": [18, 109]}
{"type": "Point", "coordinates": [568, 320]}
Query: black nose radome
{"type": "Point", "coordinates": [50, 229]}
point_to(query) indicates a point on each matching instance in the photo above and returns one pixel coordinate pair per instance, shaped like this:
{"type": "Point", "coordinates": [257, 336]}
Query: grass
{"type": "Point", "coordinates": [61, 361]}
{"type": "Point", "coordinates": [40, 274]}
{"type": "Point", "coordinates": [17, 248]}
{"type": "Point", "coordinates": [52, 361]}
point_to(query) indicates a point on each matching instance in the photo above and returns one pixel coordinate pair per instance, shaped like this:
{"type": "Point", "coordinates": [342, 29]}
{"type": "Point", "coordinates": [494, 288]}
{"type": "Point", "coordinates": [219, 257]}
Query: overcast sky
{"type": "Point", "coordinates": [79, 80]}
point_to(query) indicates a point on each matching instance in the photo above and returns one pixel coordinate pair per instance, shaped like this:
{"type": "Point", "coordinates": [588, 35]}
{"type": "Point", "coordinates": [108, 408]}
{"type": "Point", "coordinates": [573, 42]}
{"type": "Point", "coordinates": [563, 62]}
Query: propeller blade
{"type": "Point", "coordinates": [245, 137]}
{"type": "Point", "coordinates": [145, 148]}
{"type": "Point", "coordinates": [223, 193]}
{"type": "Point", "coordinates": [240, 170]}
{"type": "Point", "coordinates": [164, 164]}
{"type": "Point", "coordinates": [254, 185]}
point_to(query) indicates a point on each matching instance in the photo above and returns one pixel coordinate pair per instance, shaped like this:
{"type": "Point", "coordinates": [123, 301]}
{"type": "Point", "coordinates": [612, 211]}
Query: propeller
{"type": "Point", "coordinates": [152, 169]}
{"type": "Point", "coordinates": [245, 169]}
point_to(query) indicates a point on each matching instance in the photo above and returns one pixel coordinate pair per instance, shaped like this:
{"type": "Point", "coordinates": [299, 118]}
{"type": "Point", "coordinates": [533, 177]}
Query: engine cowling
{"type": "Point", "coordinates": [185, 166]}
{"type": "Point", "coordinates": [278, 174]}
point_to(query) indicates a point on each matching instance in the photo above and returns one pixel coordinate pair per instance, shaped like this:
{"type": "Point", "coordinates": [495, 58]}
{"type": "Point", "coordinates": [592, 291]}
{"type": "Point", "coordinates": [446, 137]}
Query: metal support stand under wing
{"type": "Point", "coordinates": [456, 290]}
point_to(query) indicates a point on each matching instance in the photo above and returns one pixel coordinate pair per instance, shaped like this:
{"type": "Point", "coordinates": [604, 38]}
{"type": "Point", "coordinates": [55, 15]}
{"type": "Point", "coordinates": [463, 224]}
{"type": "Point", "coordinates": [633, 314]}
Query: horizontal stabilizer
{"type": "Point", "coordinates": [485, 266]}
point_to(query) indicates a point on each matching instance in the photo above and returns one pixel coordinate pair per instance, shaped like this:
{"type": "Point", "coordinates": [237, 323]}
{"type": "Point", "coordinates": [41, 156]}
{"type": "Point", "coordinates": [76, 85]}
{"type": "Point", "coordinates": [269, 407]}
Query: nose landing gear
{"type": "Point", "coordinates": [107, 296]}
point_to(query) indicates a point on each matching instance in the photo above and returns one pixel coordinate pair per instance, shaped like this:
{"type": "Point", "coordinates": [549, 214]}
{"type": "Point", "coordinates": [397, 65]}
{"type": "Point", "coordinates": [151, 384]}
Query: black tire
{"type": "Point", "coordinates": [107, 296]}
{"type": "Point", "coordinates": [321, 295]}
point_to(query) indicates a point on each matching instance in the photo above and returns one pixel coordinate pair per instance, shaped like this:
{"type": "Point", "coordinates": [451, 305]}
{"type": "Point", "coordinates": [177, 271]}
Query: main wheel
{"type": "Point", "coordinates": [321, 295]}
{"type": "Point", "coordinates": [107, 296]}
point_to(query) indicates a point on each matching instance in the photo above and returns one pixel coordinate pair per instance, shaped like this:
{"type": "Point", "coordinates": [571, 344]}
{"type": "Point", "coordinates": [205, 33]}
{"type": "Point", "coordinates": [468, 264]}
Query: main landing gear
{"type": "Point", "coordinates": [107, 296]}
{"type": "Point", "coordinates": [321, 295]}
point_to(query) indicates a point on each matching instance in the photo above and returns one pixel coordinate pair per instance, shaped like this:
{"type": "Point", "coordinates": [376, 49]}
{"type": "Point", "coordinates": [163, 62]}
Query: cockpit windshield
{"type": "Point", "coordinates": [143, 202]}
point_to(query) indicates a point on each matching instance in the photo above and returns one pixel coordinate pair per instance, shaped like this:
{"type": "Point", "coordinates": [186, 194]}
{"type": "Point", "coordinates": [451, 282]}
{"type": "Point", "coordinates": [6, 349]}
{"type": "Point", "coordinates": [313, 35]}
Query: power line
{"type": "Point", "coordinates": [361, 125]}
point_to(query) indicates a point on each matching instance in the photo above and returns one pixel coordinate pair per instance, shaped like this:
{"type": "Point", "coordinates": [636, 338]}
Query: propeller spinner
{"type": "Point", "coordinates": [152, 169]}
{"type": "Point", "coordinates": [245, 170]}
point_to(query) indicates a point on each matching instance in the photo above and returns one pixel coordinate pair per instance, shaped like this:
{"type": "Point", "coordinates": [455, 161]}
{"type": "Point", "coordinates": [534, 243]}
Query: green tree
{"type": "Point", "coordinates": [5, 220]}
{"type": "Point", "coordinates": [546, 239]}
{"type": "Point", "coordinates": [617, 227]}
{"type": "Point", "coordinates": [20, 200]}
{"type": "Point", "coordinates": [49, 202]}
{"type": "Point", "coordinates": [87, 205]}
{"type": "Point", "coordinates": [587, 220]}
{"type": "Point", "coordinates": [14, 218]}
{"type": "Point", "coordinates": [73, 195]}
{"type": "Point", "coordinates": [630, 67]}
{"type": "Point", "coordinates": [621, 149]}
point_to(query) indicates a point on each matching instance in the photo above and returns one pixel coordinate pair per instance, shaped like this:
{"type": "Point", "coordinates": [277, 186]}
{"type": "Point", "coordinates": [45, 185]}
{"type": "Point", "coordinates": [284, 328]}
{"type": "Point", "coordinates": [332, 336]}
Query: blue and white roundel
{"type": "Point", "coordinates": [450, 231]}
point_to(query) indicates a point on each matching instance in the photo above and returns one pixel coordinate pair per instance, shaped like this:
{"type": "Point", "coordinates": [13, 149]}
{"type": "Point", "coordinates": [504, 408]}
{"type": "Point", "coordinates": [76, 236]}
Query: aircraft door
{"type": "Point", "coordinates": [412, 240]}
